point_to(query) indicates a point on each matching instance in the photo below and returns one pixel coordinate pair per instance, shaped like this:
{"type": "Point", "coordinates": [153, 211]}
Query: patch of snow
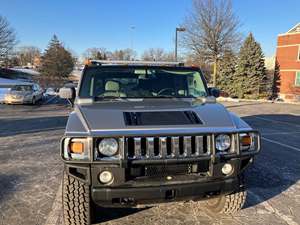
{"type": "Point", "coordinates": [28, 71]}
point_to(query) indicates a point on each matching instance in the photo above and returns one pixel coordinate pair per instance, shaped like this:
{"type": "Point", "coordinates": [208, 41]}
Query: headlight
{"type": "Point", "coordinates": [223, 142]}
{"type": "Point", "coordinates": [108, 147]}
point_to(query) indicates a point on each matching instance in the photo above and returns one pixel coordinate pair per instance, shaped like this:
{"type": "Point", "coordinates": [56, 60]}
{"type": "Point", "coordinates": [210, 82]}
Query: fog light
{"type": "Point", "coordinates": [106, 177]}
{"type": "Point", "coordinates": [227, 169]}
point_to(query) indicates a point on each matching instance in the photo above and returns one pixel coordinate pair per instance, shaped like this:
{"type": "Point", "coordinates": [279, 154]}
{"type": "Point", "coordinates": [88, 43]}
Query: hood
{"type": "Point", "coordinates": [109, 117]}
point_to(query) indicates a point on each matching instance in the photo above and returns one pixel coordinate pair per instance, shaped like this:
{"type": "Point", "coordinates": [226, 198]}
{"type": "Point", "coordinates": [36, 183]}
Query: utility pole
{"type": "Point", "coordinates": [132, 28]}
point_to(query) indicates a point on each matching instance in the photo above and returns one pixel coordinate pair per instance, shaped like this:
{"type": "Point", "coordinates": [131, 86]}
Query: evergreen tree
{"type": "Point", "coordinates": [57, 63]}
{"type": "Point", "coordinates": [276, 80]}
{"type": "Point", "coordinates": [226, 73]}
{"type": "Point", "coordinates": [250, 77]}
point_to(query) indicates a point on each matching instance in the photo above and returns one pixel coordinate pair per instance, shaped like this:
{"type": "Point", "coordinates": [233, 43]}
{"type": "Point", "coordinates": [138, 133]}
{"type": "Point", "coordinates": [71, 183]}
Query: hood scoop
{"type": "Point", "coordinates": [161, 118]}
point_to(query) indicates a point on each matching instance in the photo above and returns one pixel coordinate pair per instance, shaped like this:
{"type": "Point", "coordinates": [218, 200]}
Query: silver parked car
{"type": "Point", "coordinates": [24, 93]}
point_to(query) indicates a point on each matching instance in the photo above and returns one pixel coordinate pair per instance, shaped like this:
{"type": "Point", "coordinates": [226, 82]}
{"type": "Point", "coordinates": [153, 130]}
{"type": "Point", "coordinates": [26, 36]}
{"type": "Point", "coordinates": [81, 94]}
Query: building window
{"type": "Point", "coordinates": [297, 81]}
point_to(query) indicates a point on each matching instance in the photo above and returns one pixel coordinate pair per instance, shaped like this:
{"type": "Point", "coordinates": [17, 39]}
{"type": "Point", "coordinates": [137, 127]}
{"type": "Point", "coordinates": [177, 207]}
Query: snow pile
{"type": "Point", "coordinates": [28, 71]}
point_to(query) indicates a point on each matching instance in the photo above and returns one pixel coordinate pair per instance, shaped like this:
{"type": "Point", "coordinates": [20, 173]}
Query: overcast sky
{"type": "Point", "coordinates": [107, 23]}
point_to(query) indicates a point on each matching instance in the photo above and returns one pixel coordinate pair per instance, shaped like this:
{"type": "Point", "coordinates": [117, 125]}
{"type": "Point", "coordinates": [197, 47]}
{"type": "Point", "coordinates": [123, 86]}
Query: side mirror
{"type": "Point", "coordinates": [214, 92]}
{"type": "Point", "coordinates": [66, 93]}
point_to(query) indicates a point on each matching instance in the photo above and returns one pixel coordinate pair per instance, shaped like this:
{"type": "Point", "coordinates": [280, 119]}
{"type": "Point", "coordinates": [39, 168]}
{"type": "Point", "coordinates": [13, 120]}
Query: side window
{"type": "Point", "coordinates": [196, 86]}
{"type": "Point", "coordinates": [97, 85]}
{"type": "Point", "coordinates": [297, 79]}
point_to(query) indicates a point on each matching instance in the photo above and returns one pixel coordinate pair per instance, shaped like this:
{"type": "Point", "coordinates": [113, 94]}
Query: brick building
{"type": "Point", "coordinates": [288, 62]}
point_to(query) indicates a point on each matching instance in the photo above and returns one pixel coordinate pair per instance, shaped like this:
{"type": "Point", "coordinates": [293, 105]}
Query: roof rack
{"type": "Point", "coordinates": [121, 62]}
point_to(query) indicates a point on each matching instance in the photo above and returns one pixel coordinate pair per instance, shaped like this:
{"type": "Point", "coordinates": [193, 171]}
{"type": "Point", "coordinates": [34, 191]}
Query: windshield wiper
{"type": "Point", "coordinates": [164, 97]}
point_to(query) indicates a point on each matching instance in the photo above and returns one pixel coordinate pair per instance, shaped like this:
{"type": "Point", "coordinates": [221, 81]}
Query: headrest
{"type": "Point", "coordinates": [112, 86]}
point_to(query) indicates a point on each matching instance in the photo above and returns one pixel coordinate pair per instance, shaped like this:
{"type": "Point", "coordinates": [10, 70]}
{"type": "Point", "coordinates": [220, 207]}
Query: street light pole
{"type": "Point", "coordinates": [132, 28]}
{"type": "Point", "coordinates": [178, 29]}
{"type": "Point", "coordinates": [176, 43]}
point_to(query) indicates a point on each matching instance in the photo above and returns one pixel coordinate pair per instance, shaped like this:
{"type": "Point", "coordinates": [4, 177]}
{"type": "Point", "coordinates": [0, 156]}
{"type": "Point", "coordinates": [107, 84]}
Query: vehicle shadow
{"type": "Point", "coordinates": [31, 125]}
{"type": "Point", "coordinates": [108, 214]}
{"type": "Point", "coordinates": [8, 185]}
{"type": "Point", "coordinates": [277, 167]}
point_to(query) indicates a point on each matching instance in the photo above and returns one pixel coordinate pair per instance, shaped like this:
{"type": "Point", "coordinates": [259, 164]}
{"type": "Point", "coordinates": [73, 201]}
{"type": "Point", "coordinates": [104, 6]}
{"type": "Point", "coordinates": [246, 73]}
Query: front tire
{"type": "Point", "coordinates": [33, 102]}
{"type": "Point", "coordinates": [77, 204]}
{"type": "Point", "coordinates": [230, 203]}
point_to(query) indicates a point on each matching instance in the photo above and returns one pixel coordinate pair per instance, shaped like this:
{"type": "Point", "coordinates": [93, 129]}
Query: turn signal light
{"type": "Point", "coordinates": [87, 62]}
{"type": "Point", "coordinates": [246, 140]}
{"type": "Point", "coordinates": [76, 147]}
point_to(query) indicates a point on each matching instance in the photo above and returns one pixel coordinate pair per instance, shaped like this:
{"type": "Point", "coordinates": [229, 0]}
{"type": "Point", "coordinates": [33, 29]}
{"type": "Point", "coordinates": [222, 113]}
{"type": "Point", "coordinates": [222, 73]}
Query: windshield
{"type": "Point", "coordinates": [22, 88]}
{"type": "Point", "coordinates": [141, 83]}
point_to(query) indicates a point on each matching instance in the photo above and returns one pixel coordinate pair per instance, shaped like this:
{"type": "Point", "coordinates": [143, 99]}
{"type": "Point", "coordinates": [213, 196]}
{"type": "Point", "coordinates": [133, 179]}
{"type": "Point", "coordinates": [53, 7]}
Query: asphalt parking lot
{"type": "Point", "coordinates": [31, 171]}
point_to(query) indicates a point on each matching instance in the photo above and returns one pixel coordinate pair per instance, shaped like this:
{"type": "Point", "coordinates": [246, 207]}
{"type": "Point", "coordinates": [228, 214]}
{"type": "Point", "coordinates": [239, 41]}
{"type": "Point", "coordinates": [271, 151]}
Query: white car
{"type": "Point", "coordinates": [50, 91]}
{"type": "Point", "coordinates": [4, 89]}
{"type": "Point", "coordinates": [24, 93]}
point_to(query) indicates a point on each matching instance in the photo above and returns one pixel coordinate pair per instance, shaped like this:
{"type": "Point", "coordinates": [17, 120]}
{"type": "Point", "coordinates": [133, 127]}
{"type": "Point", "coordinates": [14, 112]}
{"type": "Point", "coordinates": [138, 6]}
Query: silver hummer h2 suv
{"type": "Point", "coordinates": [144, 133]}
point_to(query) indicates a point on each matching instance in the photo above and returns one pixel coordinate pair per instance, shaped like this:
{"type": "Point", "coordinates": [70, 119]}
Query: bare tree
{"type": "Point", "coordinates": [153, 54]}
{"type": "Point", "coordinates": [7, 38]}
{"type": "Point", "coordinates": [211, 29]}
{"type": "Point", "coordinates": [27, 55]}
{"type": "Point", "coordinates": [157, 54]}
{"type": "Point", "coordinates": [95, 53]}
{"type": "Point", "coordinates": [123, 54]}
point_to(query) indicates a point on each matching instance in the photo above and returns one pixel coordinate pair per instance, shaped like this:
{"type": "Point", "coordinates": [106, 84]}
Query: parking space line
{"type": "Point", "coordinates": [56, 211]}
{"type": "Point", "coordinates": [281, 133]}
{"type": "Point", "coordinates": [294, 114]}
{"type": "Point", "coordinates": [287, 219]}
{"type": "Point", "coordinates": [276, 121]}
{"type": "Point", "coordinates": [281, 144]}
{"type": "Point", "coordinates": [50, 99]}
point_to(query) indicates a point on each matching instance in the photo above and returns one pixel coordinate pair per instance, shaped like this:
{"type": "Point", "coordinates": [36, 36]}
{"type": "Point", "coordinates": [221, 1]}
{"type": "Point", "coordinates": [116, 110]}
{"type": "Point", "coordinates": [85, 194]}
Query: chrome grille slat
{"type": "Point", "coordinates": [162, 147]}
{"type": "Point", "coordinates": [168, 147]}
{"type": "Point", "coordinates": [149, 147]}
{"type": "Point", "coordinates": [199, 145]}
{"type": "Point", "coordinates": [137, 147]}
{"type": "Point", "coordinates": [187, 146]}
{"type": "Point", "coordinates": [175, 146]}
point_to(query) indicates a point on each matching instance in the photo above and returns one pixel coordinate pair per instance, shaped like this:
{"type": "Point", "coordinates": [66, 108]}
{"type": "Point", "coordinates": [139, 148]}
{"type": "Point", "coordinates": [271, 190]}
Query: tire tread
{"type": "Point", "coordinates": [76, 201]}
{"type": "Point", "coordinates": [231, 203]}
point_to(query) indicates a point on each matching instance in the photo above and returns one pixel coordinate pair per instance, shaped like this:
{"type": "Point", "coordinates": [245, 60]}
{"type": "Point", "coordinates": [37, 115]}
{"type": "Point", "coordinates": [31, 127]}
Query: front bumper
{"type": "Point", "coordinates": [14, 102]}
{"type": "Point", "coordinates": [159, 194]}
{"type": "Point", "coordinates": [149, 190]}
{"type": "Point", "coordinates": [134, 181]}
{"type": "Point", "coordinates": [17, 101]}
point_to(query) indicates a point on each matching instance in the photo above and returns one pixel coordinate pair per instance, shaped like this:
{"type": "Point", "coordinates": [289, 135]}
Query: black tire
{"type": "Point", "coordinates": [77, 204]}
{"type": "Point", "coordinates": [33, 101]}
{"type": "Point", "coordinates": [230, 203]}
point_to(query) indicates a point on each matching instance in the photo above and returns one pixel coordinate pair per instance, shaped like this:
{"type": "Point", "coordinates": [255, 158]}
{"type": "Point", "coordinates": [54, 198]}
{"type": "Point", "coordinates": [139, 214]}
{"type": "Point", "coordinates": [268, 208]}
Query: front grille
{"type": "Point", "coordinates": [166, 147]}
